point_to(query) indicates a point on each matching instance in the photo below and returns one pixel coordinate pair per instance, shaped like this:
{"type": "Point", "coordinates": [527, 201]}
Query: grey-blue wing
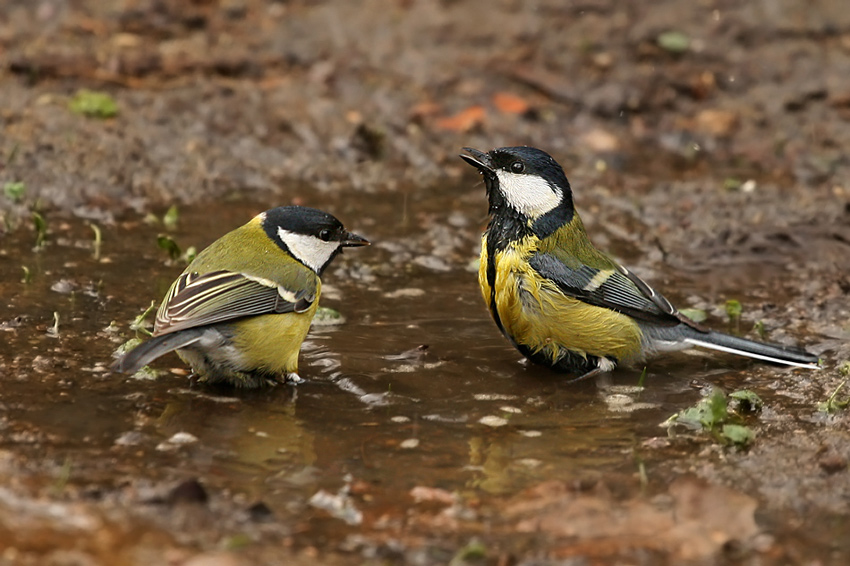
{"type": "Point", "coordinates": [617, 289]}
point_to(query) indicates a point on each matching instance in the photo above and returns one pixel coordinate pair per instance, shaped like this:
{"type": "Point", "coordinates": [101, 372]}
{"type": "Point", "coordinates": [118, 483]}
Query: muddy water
{"type": "Point", "coordinates": [416, 388]}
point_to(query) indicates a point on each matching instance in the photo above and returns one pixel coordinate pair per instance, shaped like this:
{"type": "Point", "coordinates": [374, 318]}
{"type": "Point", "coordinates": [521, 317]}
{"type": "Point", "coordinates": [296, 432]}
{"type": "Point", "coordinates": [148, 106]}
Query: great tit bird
{"type": "Point", "coordinates": [242, 308]}
{"type": "Point", "coordinates": [563, 303]}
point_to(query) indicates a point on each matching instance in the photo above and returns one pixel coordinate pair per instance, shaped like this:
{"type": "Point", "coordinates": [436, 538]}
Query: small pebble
{"type": "Point", "coordinates": [259, 511]}
{"type": "Point", "coordinates": [624, 389]}
{"type": "Point", "coordinates": [493, 397]}
{"type": "Point", "coordinates": [183, 438]}
{"type": "Point", "coordinates": [493, 420]}
{"type": "Point", "coordinates": [409, 443]}
{"type": "Point", "coordinates": [129, 438]}
{"type": "Point", "coordinates": [189, 491]}
{"type": "Point", "coordinates": [531, 433]}
{"type": "Point", "coordinates": [748, 186]}
{"type": "Point", "coordinates": [618, 400]}
{"type": "Point", "coordinates": [832, 463]}
{"type": "Point", "coordinates": [433, 263]}
{"type": "Point", "coordinates": [216, 558]}
{"type": "Point", "coordinates": [65, 286]}
{"type": "Point", "coordinates": [405, 293]}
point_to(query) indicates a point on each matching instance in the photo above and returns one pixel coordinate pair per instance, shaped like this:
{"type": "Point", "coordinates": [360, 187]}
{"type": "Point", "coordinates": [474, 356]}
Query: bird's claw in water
{"type": "Point", "coordinates": [293, 378]}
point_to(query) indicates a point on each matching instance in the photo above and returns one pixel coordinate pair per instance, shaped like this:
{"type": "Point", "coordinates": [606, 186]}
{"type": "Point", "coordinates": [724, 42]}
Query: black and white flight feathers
{"type": "Point", "coordinates": [664, 327]}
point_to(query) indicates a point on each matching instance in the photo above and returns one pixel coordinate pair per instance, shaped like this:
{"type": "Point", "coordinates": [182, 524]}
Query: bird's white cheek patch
{"type": "Point", "coordinates": [309, 250]}
{"type": "Point", "coordinates": [529, 194]}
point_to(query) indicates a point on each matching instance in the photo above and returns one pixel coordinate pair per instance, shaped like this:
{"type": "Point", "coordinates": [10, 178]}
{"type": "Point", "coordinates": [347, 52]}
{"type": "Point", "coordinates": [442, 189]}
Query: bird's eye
{"type": "Point", "coordinates": [325, 235]}
{"type": "Point", "coordinates": [517, 167]}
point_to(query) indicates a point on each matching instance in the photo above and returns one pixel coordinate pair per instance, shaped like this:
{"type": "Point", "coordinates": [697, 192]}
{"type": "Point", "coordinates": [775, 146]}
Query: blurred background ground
{"type": "Point", "coordinates": [249, 95]}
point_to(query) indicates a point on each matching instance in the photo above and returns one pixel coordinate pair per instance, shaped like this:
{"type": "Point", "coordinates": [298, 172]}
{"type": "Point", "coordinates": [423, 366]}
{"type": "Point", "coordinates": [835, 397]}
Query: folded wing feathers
{"type": "Point", "coordinates": [198, 300]}
{"type": "Point", "coordinates": [618, 290]}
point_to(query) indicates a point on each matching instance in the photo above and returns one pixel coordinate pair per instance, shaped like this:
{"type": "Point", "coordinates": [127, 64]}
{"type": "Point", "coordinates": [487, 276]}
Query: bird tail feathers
{"type": "Point", "coordinates": [146, 352]}
{"type": "Point", "coordinates": [775, 353]}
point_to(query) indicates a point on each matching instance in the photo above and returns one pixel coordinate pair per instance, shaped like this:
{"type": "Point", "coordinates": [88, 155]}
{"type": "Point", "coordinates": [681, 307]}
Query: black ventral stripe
{"type": "Point", "coordinates": [491, 281]}
{"type": "Point", "coordinates": [506, 227]}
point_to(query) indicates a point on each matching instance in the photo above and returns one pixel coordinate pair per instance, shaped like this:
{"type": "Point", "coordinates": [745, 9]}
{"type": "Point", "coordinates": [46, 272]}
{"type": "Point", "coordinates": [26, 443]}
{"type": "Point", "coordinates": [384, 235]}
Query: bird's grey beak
{"type": "Point", "coordinates": [479, 160]}
{"type": "Point", "coordinates": [352, 240]}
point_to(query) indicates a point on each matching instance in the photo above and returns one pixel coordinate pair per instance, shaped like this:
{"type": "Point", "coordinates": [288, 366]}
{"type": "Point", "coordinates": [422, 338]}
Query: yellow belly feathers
{"type": "Point", "coordinates": [272, 342]}
{"type": "Point", "coordinates": [536, 314]}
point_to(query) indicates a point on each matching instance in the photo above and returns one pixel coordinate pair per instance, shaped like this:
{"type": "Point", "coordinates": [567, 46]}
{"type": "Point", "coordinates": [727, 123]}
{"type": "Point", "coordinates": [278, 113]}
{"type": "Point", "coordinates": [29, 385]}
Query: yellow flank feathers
{"type": "Point", "coordinates": [271, 343]}
{"type": "Point", "coordinates": [535, 313]}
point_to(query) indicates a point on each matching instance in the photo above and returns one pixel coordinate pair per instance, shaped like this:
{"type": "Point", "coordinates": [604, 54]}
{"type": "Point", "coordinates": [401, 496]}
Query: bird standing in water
{"type": "Point", "coordinates": [242, 308]}
{"type": "Point", "coordinates": [563, 303]}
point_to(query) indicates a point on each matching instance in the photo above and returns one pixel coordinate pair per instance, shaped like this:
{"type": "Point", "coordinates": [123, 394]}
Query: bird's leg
{"type": "Point", "coordinates": [603, 365]}
{"type": "Point", "coordinates": [293, 378]}
{"type": "Point", "coordinates": [587, 375]}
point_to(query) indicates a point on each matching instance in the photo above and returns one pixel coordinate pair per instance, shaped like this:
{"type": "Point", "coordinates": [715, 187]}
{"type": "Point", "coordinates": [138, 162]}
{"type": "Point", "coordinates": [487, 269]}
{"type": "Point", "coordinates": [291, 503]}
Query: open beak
{"type": "Point", "coordinates": [479, 160]}
{"type": "Point", "coordinates": [352, 240]}
{"type": "Point", "coordinates": [484, 163]}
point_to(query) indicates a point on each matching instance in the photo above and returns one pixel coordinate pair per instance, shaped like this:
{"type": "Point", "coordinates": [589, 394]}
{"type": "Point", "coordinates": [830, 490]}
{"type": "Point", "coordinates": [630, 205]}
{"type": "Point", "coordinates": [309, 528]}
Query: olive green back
{"type": "Point", "coordinates": [248, 250]}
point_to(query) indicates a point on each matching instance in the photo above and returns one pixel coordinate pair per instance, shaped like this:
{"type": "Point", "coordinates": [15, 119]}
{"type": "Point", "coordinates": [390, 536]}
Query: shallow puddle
{"type": "Point", "coordinates": [416, 389]}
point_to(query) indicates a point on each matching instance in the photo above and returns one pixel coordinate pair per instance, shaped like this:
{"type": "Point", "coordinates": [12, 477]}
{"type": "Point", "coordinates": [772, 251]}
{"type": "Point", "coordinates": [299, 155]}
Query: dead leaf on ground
{"type": "Point", "coordinates": [424, 110]}
{"type": "Point", "coordinates": [509, 103]}
{"type": "Point", "coordinates": [463, 121]}
{"type": "Point", "coordinates": [840, 99]}
{"type": "Point", "coordinates": [715, 122]}
{"type": "Point", "coordinates": [600, 141]}
{"type": "Point", "coordinates": [422, 493]}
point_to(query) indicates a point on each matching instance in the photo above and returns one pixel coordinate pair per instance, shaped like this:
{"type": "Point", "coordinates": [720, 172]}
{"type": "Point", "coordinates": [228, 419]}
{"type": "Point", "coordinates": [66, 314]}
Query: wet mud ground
{"type": "Point", "coordinates": [712, 160]}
